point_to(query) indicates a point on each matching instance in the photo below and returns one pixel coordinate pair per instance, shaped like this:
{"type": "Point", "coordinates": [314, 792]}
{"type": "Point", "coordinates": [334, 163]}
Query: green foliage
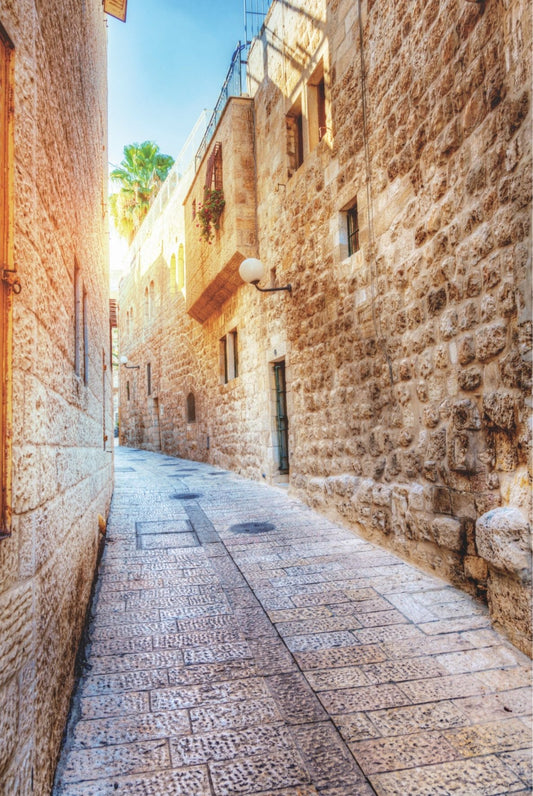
{"type": "Point", "coordinates": [140, 175]}
{"type": "Point", "coordinates": [209, 212]}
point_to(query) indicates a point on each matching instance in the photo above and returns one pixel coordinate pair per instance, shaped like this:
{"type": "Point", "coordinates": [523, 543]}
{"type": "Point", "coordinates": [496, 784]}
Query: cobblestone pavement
{"type": "Point", "coordinates": [242, 644]}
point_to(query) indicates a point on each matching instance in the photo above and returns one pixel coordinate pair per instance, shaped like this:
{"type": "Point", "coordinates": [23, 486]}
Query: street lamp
{"type": "Point", "coordinates": [124, 361]}
{"type": "Point", "coordinates": [252, 271]}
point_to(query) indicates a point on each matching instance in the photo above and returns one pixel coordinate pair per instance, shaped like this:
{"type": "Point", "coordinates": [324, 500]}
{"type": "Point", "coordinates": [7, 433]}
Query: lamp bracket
{"type": "Point", "coordinates": [272, 289]}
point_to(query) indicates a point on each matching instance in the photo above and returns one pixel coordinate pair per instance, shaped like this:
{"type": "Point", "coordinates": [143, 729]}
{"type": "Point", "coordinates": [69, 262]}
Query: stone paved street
{"type": "Point", "coordinates": [242, 644]}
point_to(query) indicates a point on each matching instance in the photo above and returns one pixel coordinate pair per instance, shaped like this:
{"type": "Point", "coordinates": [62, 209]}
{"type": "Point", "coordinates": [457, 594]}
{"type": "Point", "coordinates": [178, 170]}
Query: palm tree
{"type": "Point", "coordinates": [140, 175]}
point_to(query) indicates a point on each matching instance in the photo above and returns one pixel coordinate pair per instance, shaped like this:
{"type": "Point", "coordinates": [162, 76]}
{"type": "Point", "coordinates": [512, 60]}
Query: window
{"type": "Point", "coordinates": [352, 222]}
{"type": "Point", "coordinates": [6, 266]}
{"type": "Point", "coordinates": [148, 379]}
{"type": "Point", "coordinates": [316, 104]}
{"type": "Point", "coordinates": [173, 274]}
{"type": "Point", "coordinates": [128, 390]}
{"type": "Point", "coordinates": [191, 408]}
{"type": "Point", "coordinates": [77, 320]}
{"type": "Point", "coordinates": [213, 174]}
{"type": "Point", "coordinates": [85, 338]}
{"type": "Point", "coordinates": [181, 267]}
{"type": "Point", "coordinates": [151, 302]}
{"type": "Point", "coordinates": [229, 363]}
{"type": "Point", "coordinates": [146, 306]}
{"type": "Point", "coordinates": [295, 137]}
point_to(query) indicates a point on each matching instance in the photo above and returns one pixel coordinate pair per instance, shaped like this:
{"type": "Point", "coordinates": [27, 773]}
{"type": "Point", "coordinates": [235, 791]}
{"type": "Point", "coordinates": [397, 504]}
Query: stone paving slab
{"type": "Point", "coordinates": [239, 643]}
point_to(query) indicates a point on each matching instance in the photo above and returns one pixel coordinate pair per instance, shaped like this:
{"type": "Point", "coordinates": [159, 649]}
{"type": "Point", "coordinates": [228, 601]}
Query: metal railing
{"type": "Point", "coordinates": [235, 82]}
{"type": "Point", "coordinates": [255, 12]}
{"type": "Point", "coordinates": [232, 87]}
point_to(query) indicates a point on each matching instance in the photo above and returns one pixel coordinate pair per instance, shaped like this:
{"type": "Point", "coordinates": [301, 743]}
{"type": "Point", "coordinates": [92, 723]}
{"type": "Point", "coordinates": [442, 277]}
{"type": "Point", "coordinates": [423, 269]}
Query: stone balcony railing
{"type": "Point", "coordinates": [212, 268]}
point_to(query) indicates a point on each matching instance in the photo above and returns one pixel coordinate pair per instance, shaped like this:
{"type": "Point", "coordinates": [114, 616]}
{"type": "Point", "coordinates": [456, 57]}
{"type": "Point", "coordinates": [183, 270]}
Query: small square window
{"type": "Point", "coordinates": [352, 223]}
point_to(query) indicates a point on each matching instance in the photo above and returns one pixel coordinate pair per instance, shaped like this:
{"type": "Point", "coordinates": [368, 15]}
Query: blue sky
{"type": "Point", "coordinates": [166, 64]}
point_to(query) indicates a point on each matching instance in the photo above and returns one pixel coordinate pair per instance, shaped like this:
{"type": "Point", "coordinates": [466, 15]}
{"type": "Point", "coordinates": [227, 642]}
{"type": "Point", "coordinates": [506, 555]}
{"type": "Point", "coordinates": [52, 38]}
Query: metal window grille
{"type": "Point", "coordinates": [352, 220]}
{"type": "Point", "coordinates": [213, 176]}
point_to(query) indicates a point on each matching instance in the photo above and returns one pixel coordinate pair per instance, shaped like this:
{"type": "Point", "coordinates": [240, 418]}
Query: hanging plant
{"type": "Point", "coordinates": [209, 212]}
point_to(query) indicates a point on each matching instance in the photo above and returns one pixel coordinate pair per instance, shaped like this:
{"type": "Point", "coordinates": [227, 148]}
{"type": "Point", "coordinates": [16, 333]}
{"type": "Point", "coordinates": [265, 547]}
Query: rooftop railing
{"type": "Point", "coordinates": [232, 87]}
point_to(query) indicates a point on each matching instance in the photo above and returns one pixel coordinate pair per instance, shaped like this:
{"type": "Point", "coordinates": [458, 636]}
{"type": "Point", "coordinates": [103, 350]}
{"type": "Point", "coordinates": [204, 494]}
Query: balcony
{"type": "Point", "coordinates": [227, 163]}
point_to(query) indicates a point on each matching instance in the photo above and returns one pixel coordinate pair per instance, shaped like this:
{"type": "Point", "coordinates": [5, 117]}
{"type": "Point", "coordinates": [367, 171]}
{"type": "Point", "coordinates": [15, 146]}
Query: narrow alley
{"type": "Point", "coordinates": [240, 643]}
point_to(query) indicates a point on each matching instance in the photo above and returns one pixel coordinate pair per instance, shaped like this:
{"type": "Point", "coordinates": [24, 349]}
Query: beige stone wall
{"type": "Point", "coordinates": [62, 468]}
{"type": "Point", "coordinates": [410, 359]}
{"type": "Point", "coordinates": [159, 332]}
{"type": "Point", "coordinates": [408, 362]}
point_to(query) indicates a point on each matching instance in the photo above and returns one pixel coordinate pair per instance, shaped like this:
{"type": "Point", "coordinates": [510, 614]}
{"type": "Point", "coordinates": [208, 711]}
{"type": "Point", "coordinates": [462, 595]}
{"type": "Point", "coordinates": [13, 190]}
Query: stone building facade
{"type": "Point", "coordinates": [57, 464]}
{"type": "Point", "coordinates": [381, 165]}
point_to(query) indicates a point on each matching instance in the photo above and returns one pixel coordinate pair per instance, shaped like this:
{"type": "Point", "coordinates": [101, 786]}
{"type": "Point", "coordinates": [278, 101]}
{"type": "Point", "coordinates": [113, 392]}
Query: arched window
{"type": "Point", "coordinates": [173, 274]}
{"type": "Point", "coordinates": [151, 301]}
{"type": "Point", "coordinates": [181, 267]}
{"type": "Point", "coordinates": [191, 408]}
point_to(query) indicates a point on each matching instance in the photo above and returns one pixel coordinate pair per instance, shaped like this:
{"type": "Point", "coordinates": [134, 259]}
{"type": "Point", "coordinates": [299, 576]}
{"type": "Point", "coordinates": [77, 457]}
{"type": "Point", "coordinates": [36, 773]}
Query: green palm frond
{"type": "Point", "coordinates": [140, 175]}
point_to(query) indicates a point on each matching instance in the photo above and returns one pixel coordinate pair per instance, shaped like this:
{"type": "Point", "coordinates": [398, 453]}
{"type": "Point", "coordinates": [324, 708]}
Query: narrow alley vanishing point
{"type": "Point", "coordinates": [242, 644]}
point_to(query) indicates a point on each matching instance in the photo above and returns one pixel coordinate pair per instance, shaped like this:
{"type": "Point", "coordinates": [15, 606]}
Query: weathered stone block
{"type": "Point", "coordinates": [490, 341]}
{"type": "Point", "coordinates": [510, 605]}
{"type": "Point", "coordinates": [8, 720]}
{"type": "Point", "coordinates": [441, 500]}
{"type": "Point", "coordinates": [499, 410]}
{"type": "Point", "coordinates": [466, 350]}
{"type": "Point", "coordinates": [448, 532]}
{"type": "Point", "coordinates": [416, 497]}
{"type": "Point", "coordinates": [466, 415]}
{"type": "Point", "coordinates": [462, 452]}
{"type": "Point", "coordinates": [364, 493]}
{"type": "Point", "coordinates": [469, 379]}
{"type": "Point", "coordinates": [381, 495]}
{"type": "Point", "coordinates": [16, 629]}
{"type": "Point", "coordinates": [503, 539]}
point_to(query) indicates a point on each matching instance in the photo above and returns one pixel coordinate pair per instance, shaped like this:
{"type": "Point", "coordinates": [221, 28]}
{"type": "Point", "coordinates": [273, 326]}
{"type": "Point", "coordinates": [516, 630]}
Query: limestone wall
{"type": "Point", "coordinates": [411, 358]}
{"type": "Point", "coordinates": [407, 361]}
{"type": "Point", "coordinates": [61, 464]}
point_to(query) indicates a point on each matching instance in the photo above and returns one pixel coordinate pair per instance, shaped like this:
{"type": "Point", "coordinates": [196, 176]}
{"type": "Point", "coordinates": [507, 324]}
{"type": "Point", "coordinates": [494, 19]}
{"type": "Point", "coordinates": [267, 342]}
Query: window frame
{"type": "Point", "coordinates": [353, 229]}
{"type": "Point", "coordinates": [228, 357]}
{"type": "Point", "coordinates": [294, 124]}
{"type": "Point", "coordinates": [7, 278]}
{"type": "Point", "coordinates": [85, 310]}
{"type": "Point", "coordinates": [191, 408]}
{"type": "Point", "coordinates": [316, 106]}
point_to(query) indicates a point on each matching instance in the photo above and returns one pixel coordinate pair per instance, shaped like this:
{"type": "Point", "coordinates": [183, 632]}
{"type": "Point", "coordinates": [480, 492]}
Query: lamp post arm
{"type": "Point", "coordinates": [272, 289]}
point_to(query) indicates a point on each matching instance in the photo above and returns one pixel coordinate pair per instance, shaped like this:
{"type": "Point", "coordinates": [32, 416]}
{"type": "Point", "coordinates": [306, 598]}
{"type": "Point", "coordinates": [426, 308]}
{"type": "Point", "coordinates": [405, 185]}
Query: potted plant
{"type": "Point", "coordinates": [209, 212]}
